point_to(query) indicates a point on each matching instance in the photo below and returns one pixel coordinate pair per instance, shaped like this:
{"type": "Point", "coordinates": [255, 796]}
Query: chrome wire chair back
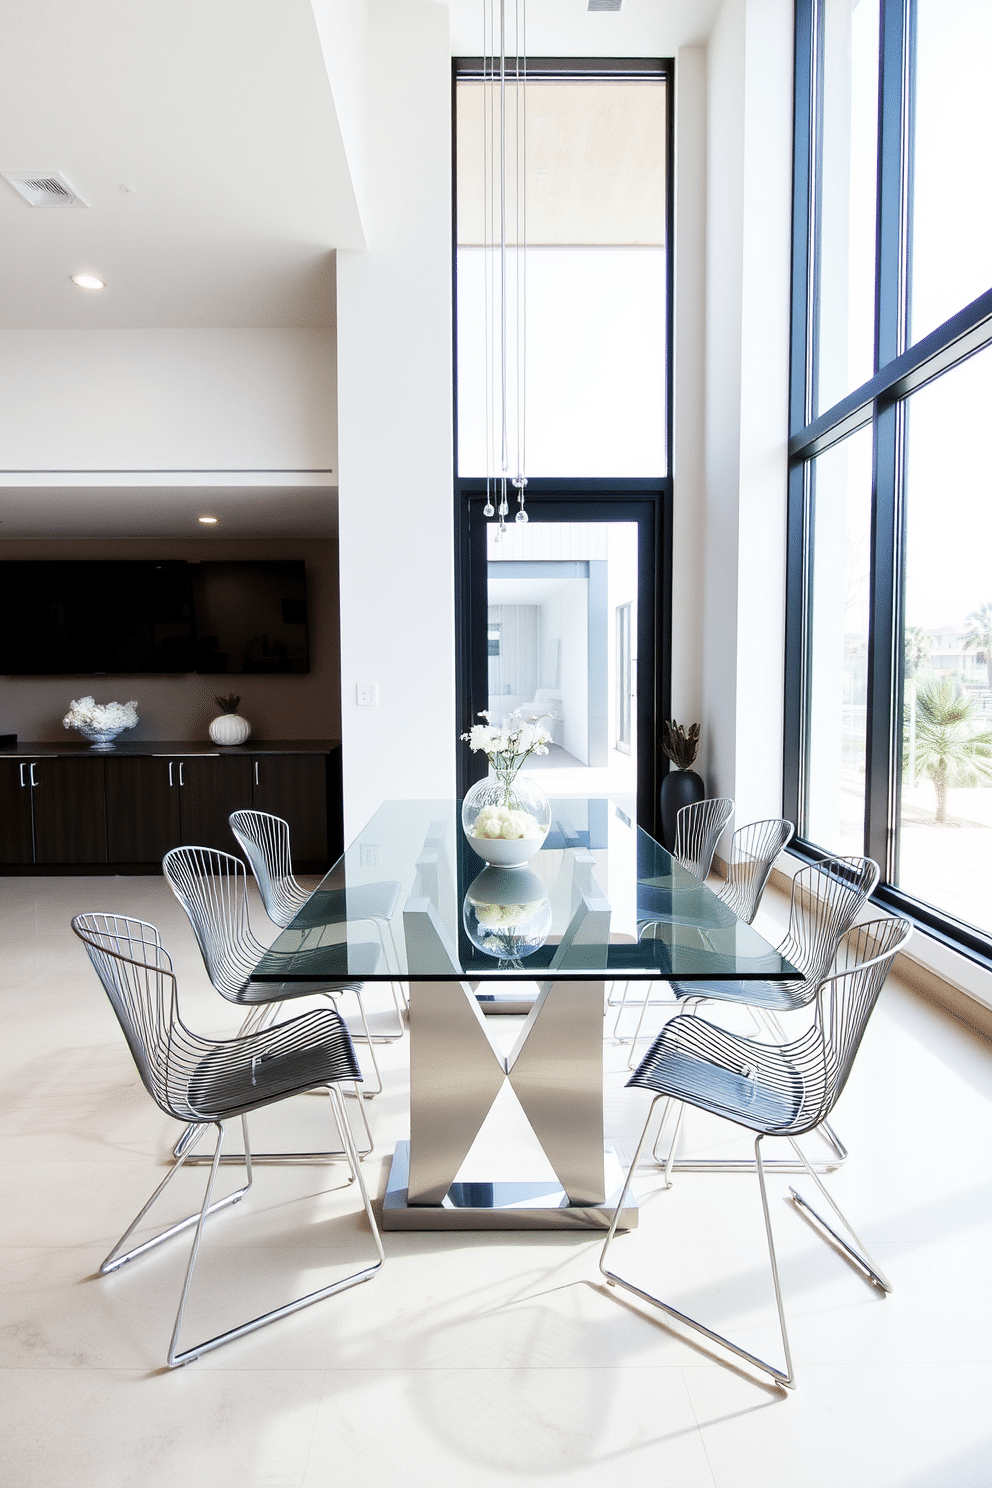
{"type": "Point", "coordinates": [212, 887]}
{"type": "Point", "coordinates": [698, 828]}
{"type": "Point", "coordinates": [264, 840]}
{"type": "Point", "coordinates": [266, 843]}
{"type": "Point", "coordinates": [827, 898]}
{"type": "Point", "coordinates": [783, 1090]}
{"type": "Point", "coordinates": [209, 1081]}
{"type": "Point", "coordinates": [753, 851]}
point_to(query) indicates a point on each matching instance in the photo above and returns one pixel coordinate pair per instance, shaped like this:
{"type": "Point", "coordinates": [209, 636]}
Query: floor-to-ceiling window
{"type": "Point", "coordinates": [889, 687]}
{"type": "Point", "coordinates": [567, 615]}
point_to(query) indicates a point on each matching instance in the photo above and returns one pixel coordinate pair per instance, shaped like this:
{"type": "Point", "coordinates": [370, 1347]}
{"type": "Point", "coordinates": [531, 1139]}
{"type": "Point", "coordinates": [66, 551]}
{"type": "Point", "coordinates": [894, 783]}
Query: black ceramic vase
{"type": "Point", "coordinates": [679, 788]}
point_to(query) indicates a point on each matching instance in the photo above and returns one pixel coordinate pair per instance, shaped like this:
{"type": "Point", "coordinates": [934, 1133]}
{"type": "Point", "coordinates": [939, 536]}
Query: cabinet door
{"type": "Point", "coordinates": [142, 808]}
{"type": "Point", "coordinates": [213, 786]}
{"type": "Point", "coordinates": [70, 824]}
{"type": "Point", "coordinates": [294, 786]}
{"type": "Point", "coordinates": [16, 841]}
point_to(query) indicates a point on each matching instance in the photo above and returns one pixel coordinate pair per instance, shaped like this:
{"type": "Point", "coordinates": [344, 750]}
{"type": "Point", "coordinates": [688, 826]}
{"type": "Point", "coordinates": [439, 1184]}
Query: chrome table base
{"type": "Point", "coordinates": [555, 1070]}
{"type": "Point", "coordinates": [541, 1205]}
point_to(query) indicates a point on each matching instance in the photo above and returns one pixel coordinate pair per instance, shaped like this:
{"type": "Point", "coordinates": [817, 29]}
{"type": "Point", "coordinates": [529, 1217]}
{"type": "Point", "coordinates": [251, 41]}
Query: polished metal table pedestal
{"type": "Point", "coordinates": [503, 1206]}
{"type": "Point", "coordinates": [456, 1072]}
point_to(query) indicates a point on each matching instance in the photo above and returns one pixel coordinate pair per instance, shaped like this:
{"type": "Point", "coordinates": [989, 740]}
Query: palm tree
{"type": "Point", "coordinates": [947, 750]}
{"type": "Point", "coordinates": [919, 645]}
{"type": "Point", "coordinates": [980, 637]}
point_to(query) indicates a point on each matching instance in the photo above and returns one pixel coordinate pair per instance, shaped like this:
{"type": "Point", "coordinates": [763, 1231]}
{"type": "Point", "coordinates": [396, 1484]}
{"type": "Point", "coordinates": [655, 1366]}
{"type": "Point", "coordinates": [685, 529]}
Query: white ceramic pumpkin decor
{"type": "Point", "coordinates": [230, 728]}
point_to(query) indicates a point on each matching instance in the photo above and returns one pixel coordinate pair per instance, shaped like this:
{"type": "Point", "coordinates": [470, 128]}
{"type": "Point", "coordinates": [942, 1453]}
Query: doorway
{"type": "Point", "coordinates": [560, 622]}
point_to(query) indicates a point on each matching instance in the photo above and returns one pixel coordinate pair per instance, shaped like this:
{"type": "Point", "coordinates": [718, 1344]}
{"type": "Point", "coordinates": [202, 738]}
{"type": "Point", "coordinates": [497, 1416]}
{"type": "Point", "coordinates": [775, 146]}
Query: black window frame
{"type": "Point", "coordinates": [646, 500]}
{"type": "Point", "coordinates": [901, 368]}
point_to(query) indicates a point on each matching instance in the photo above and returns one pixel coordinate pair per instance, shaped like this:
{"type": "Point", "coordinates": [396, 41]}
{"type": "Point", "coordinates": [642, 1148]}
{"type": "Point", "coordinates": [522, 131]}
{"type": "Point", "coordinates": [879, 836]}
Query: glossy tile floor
{"type": "Point", "coordinates": [474, 1359]}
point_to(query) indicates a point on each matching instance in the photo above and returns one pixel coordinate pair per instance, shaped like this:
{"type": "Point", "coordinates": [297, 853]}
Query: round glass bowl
{"type": "Point", "coordinates": [506, 824]}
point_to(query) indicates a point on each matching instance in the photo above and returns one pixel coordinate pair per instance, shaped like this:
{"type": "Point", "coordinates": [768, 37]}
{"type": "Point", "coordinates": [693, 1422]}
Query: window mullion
{"type": "Point", "coordinates": [884, 670]}
{"type": "Point", "coordinates": [893, 152]}
{"type": "Point", "coordinates": [883, 744]}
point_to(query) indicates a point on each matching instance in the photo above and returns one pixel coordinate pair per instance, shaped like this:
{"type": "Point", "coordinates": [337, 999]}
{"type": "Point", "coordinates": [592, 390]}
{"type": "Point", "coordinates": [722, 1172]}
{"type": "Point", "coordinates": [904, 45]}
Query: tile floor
{"type": "Point", "coordinates": [474, 1359]}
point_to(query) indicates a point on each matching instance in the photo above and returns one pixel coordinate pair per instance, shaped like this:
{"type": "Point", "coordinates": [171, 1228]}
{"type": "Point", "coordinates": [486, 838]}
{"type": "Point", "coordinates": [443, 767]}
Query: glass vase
{"type": "Point", "coordinates": [506, 819]}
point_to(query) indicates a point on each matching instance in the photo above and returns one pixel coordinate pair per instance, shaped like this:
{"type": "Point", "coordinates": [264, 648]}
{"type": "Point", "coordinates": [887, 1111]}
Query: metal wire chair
{"type": "Point", "coordinates": [753, 851]}
{"type": "Point", "coordinates": [266, 844]}
{"type": "Point", "coordinates": [782, 1090]}
{"type": "Point", "coordinates": [826, 900]}
{"type": "Point", "coordinates": [209, 1081]}
{"type": "Point", "coordinates": [698, 828]}
{"type": "Point", "coordinates": [212, 887]}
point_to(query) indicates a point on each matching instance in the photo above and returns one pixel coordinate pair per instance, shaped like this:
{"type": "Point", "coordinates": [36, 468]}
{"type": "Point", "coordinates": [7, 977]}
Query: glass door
{"type": "Point", "coordinates": [560, 625]}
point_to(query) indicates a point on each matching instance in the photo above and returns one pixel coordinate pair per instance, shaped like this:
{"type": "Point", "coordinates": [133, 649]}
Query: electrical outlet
{"type": "Point", "coordinates": [368, 855]}
{"type": "Point", "coordinates": [367, 694]}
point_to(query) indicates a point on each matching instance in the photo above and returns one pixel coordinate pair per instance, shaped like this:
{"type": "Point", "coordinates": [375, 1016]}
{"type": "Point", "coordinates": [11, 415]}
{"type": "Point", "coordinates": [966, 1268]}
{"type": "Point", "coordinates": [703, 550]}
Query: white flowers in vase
{"type": "Point", "coordinates": [508, 744]}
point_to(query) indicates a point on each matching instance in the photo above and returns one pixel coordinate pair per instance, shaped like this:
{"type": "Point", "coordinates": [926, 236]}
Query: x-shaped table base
{"type": "Point", "coordinates": [556, 1072]}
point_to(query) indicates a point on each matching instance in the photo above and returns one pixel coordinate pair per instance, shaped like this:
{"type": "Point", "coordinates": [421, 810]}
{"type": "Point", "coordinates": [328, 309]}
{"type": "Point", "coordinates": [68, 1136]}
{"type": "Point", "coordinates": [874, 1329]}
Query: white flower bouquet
{"type": "Point", "coordinates": [508, 744]}
{"type": "Point", "coordinates": [100, 722]}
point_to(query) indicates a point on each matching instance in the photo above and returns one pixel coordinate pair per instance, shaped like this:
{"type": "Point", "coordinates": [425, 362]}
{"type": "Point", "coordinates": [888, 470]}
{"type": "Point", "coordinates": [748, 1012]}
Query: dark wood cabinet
{"type": "Point", "coordinates": [16, 835]}
{"type": "Point", "coordinates": [294, 786]}
{"type": "Point", "coordinates": [142, 809]}
{"type": "Point", "coordinates": [73, 812]}
{"type": "Point", "coordinates": [52, 811]}
{"type": "Point", "coordinates": [70, 818]}
{"type": "Point", "coordinates": [211, 787]}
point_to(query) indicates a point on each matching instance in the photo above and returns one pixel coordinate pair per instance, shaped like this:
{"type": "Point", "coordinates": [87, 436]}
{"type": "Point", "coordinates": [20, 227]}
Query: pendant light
{"type": "Point", "coordinates": [504, 82]}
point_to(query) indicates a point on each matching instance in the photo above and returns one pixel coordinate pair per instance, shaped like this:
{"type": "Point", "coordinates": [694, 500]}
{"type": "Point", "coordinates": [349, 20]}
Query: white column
{"type": "Point", "coordinates": [395, 426]}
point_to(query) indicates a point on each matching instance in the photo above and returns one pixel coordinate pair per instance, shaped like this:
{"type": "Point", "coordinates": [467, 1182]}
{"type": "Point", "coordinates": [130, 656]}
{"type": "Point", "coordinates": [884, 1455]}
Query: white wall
{"type": "Point", "coordinates": [748, 220]}
{"type": "Point", "coordinates": [394, 414]}
{"type": "Point", "coordinates": [177, 400]}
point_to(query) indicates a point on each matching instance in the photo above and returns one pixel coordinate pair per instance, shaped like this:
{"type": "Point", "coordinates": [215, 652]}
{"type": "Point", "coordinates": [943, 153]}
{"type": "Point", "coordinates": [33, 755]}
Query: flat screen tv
{"type": "Point", "coordinates": [137, 617]}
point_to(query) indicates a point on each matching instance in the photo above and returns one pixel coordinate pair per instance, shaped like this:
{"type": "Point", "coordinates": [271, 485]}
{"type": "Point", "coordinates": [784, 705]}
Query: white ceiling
{"type": "Point", "coordinates": [217, 116]}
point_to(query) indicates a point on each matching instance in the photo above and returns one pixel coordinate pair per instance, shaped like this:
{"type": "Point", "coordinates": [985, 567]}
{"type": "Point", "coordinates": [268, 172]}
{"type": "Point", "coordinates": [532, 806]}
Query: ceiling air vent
{"type": "Point", "coordinates": [602, 5]}
{"type": "Point", "coordinates": [44, 188]}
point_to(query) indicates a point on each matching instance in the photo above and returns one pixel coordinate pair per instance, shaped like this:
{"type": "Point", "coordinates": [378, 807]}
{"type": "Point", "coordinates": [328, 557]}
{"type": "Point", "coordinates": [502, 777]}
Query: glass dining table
{"type": "Point", "coordinates": [600, 903]}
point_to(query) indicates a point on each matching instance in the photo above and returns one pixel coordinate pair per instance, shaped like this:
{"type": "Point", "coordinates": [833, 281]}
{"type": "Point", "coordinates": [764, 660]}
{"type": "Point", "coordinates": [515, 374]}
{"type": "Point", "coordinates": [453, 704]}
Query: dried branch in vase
{"type": "Point", "coordinates": [680, 745]}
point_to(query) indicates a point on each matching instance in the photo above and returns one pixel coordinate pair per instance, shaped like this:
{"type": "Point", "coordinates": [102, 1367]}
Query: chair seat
{"type": "Point", "coordinates": [696, 907]}
{"type": "Point", "coordinates": [758, 1088]}
{"type": "Point", "coordinates": [376, 901]}
{"type": "Point", "coordinates": [357, 962]}
{"type": "Point", "coordinates": [232, 1080]}
{"type": "Point", "coordinates": [781, 997]}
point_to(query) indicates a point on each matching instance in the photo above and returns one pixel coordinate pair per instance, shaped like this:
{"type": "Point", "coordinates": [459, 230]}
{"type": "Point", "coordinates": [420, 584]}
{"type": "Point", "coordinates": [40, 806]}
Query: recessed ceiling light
{"type": "Point", "coordinates": [87, 281]}
{"type": "Point", "coordinates": [207, 521]}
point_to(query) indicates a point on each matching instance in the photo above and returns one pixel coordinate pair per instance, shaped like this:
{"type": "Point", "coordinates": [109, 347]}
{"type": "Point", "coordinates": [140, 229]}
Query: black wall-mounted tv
{"type": "Point", "coordinates": [137, 617]}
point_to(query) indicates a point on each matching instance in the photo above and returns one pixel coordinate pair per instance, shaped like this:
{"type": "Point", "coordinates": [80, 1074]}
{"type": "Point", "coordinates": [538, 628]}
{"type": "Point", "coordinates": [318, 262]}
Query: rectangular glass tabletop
{"type": "Point", "coordinates": [411, 900]}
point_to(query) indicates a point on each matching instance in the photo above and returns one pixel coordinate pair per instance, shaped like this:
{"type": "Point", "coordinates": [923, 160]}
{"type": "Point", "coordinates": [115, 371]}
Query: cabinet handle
{"type": "Point", "coordinates": [181, 781]}
{"type": "Point", "coordinates": [33, 781]}
{"type": "Point", "coordinates": [170, 774]}
{"type": "Point", "coordinates": [256, 772]}
{"type": "Point", "coordinates": [22, 775]}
